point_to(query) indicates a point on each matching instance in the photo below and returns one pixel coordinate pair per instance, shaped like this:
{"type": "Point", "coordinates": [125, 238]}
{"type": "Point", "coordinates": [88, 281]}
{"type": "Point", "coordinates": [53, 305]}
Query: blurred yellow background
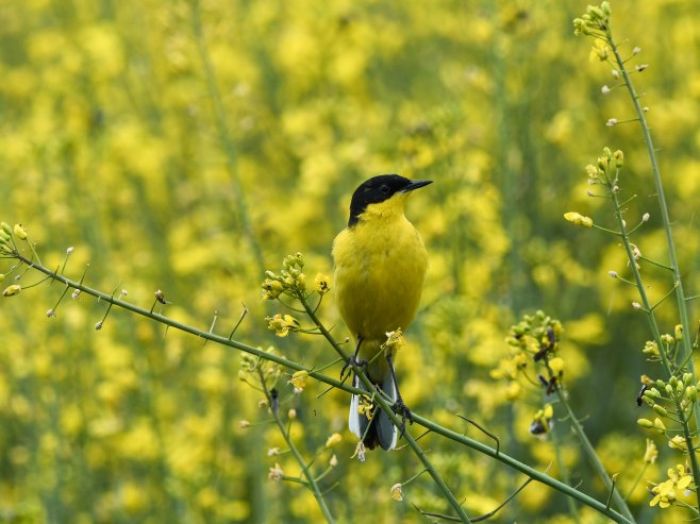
{"type": "Point", "coordinates": [187, 146]}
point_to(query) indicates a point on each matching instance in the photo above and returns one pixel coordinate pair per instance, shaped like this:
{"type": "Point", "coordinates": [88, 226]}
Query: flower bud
{"type": "Point", "coordinates": [596, 12]}
{"type": "Point", "coordinates": [660, 410]}
{"type": "Point", "coordinates": [6, 228]}
{"type": "Point", "coordinates": [659, 425]}
{"type": "Point", "coordinates": [651, 453]}
{"type": "Point", "coordinates": [578, 219]}
{"type": "Point", "coordinates": [653, 393]}
{"type": "Point", "coordinates": [334, 439]}
{"type": "Point", "coordinates": [20, 232]}
{"type": "Point", "coordinates": [645, 423]}
{"type": "Point", "coordinates": [12, 290]}
{"type": "Point", "coordinates": [678, 333]}
{"type": "Point", "coordinates": [691, 393]}
{"type": "Point", "coordinates": [619, 158]}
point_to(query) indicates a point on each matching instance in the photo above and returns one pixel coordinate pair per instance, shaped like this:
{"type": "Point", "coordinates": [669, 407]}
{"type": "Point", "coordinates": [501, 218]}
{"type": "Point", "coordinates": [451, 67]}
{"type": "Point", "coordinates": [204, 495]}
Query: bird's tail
{"type": "Point", "coordinates": [380, 430]}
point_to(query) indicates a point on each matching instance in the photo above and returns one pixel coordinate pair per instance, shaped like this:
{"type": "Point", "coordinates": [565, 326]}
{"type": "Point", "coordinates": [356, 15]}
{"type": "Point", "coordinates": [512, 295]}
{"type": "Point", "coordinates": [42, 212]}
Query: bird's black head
{"type": "Point", "coordinates": [378, 189]}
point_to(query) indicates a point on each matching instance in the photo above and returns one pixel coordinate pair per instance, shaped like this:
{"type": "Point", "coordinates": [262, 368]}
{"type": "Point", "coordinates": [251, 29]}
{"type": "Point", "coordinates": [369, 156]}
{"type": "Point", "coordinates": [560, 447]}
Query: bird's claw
{"type": "Point", "coordinates": [402, 410]}
{"type": "Point", "coordinates": [351, 362]}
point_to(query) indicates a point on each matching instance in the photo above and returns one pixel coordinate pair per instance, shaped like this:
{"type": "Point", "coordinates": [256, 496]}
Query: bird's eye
{"type": "Point", "coordinates": [384, 189]}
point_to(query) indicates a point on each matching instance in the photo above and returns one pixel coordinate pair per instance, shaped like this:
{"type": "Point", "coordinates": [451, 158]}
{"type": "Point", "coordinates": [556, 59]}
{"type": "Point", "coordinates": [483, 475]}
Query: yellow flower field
{"type": "Point", "coordinates": [168, 154]}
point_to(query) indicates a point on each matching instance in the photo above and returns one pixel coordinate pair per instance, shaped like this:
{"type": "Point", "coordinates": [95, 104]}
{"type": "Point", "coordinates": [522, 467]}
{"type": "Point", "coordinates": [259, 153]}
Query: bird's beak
{"type": "Point", "coordinates": [415, 184]}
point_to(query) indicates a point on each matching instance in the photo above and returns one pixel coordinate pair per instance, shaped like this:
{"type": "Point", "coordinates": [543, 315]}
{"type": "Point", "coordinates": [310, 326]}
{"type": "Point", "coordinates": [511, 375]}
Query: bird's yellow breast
{"type": "Point", "coordinates": [380, 265]}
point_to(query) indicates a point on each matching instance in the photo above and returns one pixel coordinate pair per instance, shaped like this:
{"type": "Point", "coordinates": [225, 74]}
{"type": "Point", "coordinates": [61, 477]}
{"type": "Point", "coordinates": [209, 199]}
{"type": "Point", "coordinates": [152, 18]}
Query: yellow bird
{"type": "Point", "coordinates": [380, 263]}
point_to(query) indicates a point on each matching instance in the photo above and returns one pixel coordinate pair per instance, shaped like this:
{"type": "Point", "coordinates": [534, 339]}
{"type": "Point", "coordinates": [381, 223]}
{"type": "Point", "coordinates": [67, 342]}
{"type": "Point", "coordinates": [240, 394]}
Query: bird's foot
{"type": "Point", "coordinates": [402, 410]}
{"type": "Point", "coordinates": [349, 364]}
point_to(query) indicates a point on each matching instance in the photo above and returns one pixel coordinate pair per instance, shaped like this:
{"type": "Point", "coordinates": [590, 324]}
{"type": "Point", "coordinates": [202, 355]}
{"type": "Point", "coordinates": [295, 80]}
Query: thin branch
{"type": "Point", "coordinates": [290, 364]}
{"type": "Point", "coordinates": [311, 482]}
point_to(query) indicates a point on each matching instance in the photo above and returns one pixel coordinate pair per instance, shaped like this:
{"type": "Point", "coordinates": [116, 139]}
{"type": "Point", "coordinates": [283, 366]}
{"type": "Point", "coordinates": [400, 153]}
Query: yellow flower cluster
{"type": "Point", "coordinates": [667, 492]}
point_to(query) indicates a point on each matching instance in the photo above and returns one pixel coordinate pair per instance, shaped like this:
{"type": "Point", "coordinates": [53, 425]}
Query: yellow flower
{"type": "Point", "coordinates": [548, 411]}
{"type": "Point", "coordinates": [651, 453]}
{"type": "Point", "coordinates": [556, 365]}
{"type": "Point", "coordinates": [334, 439]}
{"type": "Point", "coordinates": [665, 493]}
{"type": "Point", "coordinates": [678, 442]}
{"type": "Point", "coordinates": [394, 341]}
{"type": "Point", "coordinates": [20, 232]}
{"type": "Point", "coordinates": [599, 51]}
{"type": "Point", "coordinates": [271, 289]}
{"type": "Point", "coordinates": [299, 380]}
{"type": "Point", "coordinates": [282, 324]}
{"type": "Point", "coordinates": [513, 391]}
{"type": "Point", "coordinates": [366, 408]}
{"type": "Point", "coordinates": [651, 348]}
{"type": "Point", "coordinates": [321, 285]}
{"type": "Point", "coordinates": [542, 421]}
{"type": "Point", "coordinates": [578, 219]}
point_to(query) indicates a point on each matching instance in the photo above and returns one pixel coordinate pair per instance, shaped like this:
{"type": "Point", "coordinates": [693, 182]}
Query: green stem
{"type": "Point", "coordinates": [636, 481]}
{"type": "Point", "coordinates": [656, 333]}
{"type": "Point", "coordinates": [311, 482]}
{"type": "Point", "coordinates": [663, 207]}
{"type": "Point", "coordinates": [523, 468]}
{"type": "Point", "coordinates": [564, 470]}
{"type": "Point", "coordinates": [590, 452]}
{"type": "Point", "coordinates": [421, 421]}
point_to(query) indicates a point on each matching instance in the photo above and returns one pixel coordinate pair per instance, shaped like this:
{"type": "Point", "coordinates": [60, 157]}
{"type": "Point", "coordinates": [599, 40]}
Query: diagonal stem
{"type": "Point", "coordinates": [321, 377]}
{"type": "Point", "coordinates": [311, 481]}
{"type": "Point", "coordinates": [663, 207]}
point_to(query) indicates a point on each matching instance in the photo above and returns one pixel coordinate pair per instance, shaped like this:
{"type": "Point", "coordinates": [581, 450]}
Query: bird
{"type": "Point", "coordinates": [380, 262]}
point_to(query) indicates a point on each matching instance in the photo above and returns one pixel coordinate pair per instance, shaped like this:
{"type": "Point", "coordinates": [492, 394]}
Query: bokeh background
{"type": "Point", "coordinates": [186, 146]}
